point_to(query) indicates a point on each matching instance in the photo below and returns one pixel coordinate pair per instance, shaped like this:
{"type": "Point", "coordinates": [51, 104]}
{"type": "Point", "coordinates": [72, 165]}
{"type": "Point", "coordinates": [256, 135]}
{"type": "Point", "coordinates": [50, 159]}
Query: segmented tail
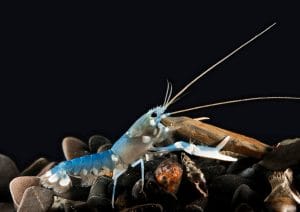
{"type": "Point", "coordinates": [86, 168]}
{"type": "Point", "coordinates": [59, 181]}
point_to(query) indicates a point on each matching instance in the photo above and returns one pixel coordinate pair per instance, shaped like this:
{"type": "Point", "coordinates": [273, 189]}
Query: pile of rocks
{"type": "Point", "coordinates": [173, 182]}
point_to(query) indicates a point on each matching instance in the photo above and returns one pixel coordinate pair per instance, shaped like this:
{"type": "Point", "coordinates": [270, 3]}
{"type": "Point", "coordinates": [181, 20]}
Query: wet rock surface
{"type": "Point", "coordinates": [8, 171]}
{"type": "Point", "coordinates": [173, 182]}
{"type": "Point", "coordinates": [36, 198]}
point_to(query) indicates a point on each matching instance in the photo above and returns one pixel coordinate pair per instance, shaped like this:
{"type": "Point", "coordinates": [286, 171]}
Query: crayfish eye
{"type": "Point", "coordinates": [154, 115]}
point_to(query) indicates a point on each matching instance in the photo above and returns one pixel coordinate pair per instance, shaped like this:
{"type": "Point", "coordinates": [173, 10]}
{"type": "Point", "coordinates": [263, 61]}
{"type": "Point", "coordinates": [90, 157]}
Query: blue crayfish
{"type": "Point", "coordinates": [140, 139]}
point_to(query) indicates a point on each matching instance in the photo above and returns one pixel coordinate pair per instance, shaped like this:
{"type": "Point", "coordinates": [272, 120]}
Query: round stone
{"type": "Point", "coordinates": [36, 198]}
{"type": "Point", "coordinates": [97, 141]}
{"type": "Point", "coordinates": [18, 186]}
{"type": "Point", "coordinates": [74, 148]}
{"type": "Point", "coordinates": [8, 171]}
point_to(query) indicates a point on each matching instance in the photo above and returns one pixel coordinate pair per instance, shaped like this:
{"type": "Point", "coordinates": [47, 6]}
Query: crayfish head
{"type": "Point", "coordinates": [148, 124]}
{"type": "Point", "coordinates": [142, 136]}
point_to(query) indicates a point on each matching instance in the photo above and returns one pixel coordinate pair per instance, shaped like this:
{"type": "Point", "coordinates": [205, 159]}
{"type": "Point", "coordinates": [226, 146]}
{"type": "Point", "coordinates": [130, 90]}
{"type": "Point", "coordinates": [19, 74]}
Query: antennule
{"type": "Point", "coordinates": [237, 101]}
{"type": "Point", "coordinates": [216, 64]}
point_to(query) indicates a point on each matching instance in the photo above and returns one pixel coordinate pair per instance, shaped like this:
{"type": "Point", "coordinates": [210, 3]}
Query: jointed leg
{"type": "Point", "coordinates": [198, 150]}
{"type": "Point", "coordinates": [140, 161]}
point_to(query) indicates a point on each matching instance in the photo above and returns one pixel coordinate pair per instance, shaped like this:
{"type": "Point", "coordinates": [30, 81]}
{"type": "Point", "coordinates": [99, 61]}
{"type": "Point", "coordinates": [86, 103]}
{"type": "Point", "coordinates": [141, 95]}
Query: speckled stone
{"type": "Point", "coordinates": [36, 199]}
{"type": "Point", "coordinates": [18, 186]}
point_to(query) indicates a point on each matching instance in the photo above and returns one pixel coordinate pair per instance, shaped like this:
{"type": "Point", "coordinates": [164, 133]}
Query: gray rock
{"type": "Point", "coordinates": [221, 191]}
{"type": "Point", "coordinates": [104, 147]}
{"type": "Point", "coordinates": [98, 141]}
{"type": "Point", "coordinates": [8, 171]}
{"type": "Point", "coordinates": [6, 207]}
{"type": "Point", "coordinates": [283, 156]}
{"type": "Point", "coordinates": [36, 199]}
{"type": "Point", "coordinates": [99, 195]}
{"type": "Point", "coordinates": [18, 186]}
{"type": "Point", "coordinates": [240, 165]}
{"type": "Point", "coordinates": [245, 195]}
{"type": "Point", "coordinates": [289, 141]}
{"type": "Point", "coordinates": [198, 205]}
{"type": "Point", "coordinates": [244, 207]}
{"type": "Point", "coordinates": [74, 148]}
{"type": "Point", "coordinates": [35, 167]}
{"type": "Point", "coordinates": [78, 206]}
{"type": "Point", "coordinates": [145, 207]}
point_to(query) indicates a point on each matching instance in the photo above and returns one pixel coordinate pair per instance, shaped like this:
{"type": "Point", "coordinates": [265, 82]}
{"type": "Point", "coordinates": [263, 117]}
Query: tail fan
{"type": "Point", "coordinates": [59, 181]}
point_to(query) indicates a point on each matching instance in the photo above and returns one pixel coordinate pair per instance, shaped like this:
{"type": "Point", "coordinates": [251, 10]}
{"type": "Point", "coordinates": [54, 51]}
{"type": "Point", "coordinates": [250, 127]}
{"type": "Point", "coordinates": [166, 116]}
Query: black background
{"type": "Point", "coordinates": [81, 70]}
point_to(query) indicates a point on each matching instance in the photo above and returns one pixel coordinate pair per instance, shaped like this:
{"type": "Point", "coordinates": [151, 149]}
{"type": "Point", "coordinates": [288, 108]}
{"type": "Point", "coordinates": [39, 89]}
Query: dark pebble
{"type": "Point", "coordinates": [145, 207]}
{"type": "Point", "coordinates": [97, 141]}
{"type": "Point", "coordinates": [288, 141]}
{"type": "Point", "coordinates": [245, 195]}
{"type": "Point", "coordinates": [35, 168]}
{"type": "Point", "coordinates": [99, 196]}
{"type": "Point", "coordinates": [8, 171]}
{"type": "Point", "coordinates": [213, 171]}
{"type": "Point", "coordinates": [18, 186]}
{"type": "Point", "coordinates": [153, 192]}
{"type": "Point", "coordinates": [104, 147]}
{"type": "Point", "coordinates": [198, 205]}
{"type": "Point", "coordinates": [6, 207]}
{"type": "Point", "coordinates": [221, 191]}
{"type": "Point", "coordinates": [36, 199]}
{"type": "Point", "coordinates": [137, 191]}
{"type": "Point", "coordinates": [258, 174]}
{"type": "Point", "coordinates": [244, 207]}
{"type": "Point", "coordinates": [283, 156]}
{"type": "Point", "coordinates": [74, 148]}
{"type": "Point", "coordinates": [77, 206]}
{"type": "Point", "coordinates": [240, 165]}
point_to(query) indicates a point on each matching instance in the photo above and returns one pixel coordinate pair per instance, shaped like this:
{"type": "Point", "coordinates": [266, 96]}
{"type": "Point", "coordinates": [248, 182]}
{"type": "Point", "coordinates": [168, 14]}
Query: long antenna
{"type": "Point", "coordinates": [236, 101]}
{"type": "Point", "coordinates": [217, 63]}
